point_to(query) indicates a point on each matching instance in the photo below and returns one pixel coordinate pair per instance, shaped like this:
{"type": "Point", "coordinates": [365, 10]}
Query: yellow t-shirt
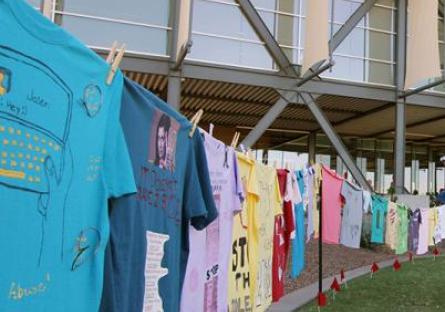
{"type": "Point", "coordinates": [315, 194]}
{"type": "Point", "coordinates": [433, 219]}
{"type": "Point", "coordinates": [392, 220]}
{"type": "Point", "coordinates": [240, 279]}
{"type": "Point", "coordinates": [267, 209]}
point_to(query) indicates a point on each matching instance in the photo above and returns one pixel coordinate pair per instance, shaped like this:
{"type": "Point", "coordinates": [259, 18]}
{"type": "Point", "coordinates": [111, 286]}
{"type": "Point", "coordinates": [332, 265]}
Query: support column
{"type": "Point", "coordinates": [399, 144]}
{"type": "Point", "coordinates": [431, 172]}
{"type": "Point", "coordinates": [380, 175]}
{"type": "Point", "coordinates": [312, 146]}
{"type": "Point", "coordinates": [415, 175]}
{"type": "Point", "coordinates": [174, 90]}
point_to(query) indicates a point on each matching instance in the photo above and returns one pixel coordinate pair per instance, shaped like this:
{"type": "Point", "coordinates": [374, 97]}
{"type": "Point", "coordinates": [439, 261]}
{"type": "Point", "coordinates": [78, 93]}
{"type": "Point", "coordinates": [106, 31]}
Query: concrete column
{"type": "Point", "coordinates": [312, 147]}
{"type": "Point", "coordinates": [431, 172]}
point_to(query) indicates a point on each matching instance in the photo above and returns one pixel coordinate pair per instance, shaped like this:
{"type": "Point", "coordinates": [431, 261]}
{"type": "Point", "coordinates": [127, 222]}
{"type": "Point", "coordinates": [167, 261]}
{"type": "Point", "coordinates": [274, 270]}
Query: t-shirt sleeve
{"type": "Point", "coordinates": [118, 171]}
{"type": "Point", "coordinates": [238, 191]}
{"type": "Point", "coordinates": [199, 205]}
{"type": "Point", "coordinates": [278, 199]}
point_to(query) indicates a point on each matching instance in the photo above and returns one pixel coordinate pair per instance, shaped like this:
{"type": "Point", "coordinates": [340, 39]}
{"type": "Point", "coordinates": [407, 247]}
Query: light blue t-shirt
{"type": "Point", "coordinates": [149, 245]}
{"type": "Point", "coordinates": [62, 156]}
{"type": "Point", "coordinates": [299, 241]}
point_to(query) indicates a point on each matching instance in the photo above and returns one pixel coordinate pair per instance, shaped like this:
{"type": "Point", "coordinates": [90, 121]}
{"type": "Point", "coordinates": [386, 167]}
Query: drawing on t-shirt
{"type": "Point", "coordinates": [34, 128]}
{"type": "Point", "coordinates": [162, 147]}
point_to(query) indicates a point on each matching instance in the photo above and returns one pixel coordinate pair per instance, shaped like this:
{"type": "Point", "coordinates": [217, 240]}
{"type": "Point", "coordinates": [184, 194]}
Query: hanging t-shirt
{"type": "Point", "coordinates": [284, 226]}
{"type": "Point", "coordinates": [441, 213]}
{"type": "Point", "coordinates": [379, 211]}
{"type": "Point", "coordinates": [422, 248]}
{"type": "Point", "coordinates": [318, 176]}
{"type": "Point", "coordinates": [433, 218]}
{"type": "Point", "coordinates": [62, 156]}
{"type": "Point", "coordinates": [241, 272]}
{"type": "Point", "coordinates": [298, 243]}
{"type": "Point", "coordinates": [268, 208]}
{"type": "Point", "coordinates": [392, 221]}
{"type": "Point", "coordinates": [402, 229]}
{"type": "Point", "coordinates": [311, 204]}
{"type": "Point", "coordinates": [351, 225]}
{"type": "Point", "coordinates": [414, 224]}
{"type": "Point", "coordinates": [205, 283]}
{"type": "Point", "coordinates": [149, 244]}
{"type": "Point", "coordinates": [331, 206]}
{"type": "Point", "coordinates": [367, 201]}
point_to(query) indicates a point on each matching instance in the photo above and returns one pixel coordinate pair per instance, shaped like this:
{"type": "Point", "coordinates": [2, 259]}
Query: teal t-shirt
{"type": "Point", "coordinates": [379, 210]}
{"type": "Point", "coordinates": [62, 156]}
{"type": "Point", "coordinates": [148, 251]}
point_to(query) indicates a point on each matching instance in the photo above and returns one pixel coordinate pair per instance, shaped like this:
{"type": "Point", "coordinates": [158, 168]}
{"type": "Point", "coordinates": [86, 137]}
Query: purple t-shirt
{"type": "Point", "coordinates": [414, 223]}
{"type": "Point", "coordinates": [205, 284]}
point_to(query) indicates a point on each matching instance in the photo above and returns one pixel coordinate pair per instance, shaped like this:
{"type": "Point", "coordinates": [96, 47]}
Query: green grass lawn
{"type": "Point", "coordinates": [415, 287]}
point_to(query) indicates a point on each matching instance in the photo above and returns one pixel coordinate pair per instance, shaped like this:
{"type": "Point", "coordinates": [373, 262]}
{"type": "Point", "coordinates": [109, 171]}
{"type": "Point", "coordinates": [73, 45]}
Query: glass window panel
{"type": "Point", "coordinates": [264, 4]}
{"type": "Point", "coordinates": [380, 18]}
{"type": "Point", "coordinates": [389, 3]}
{"type": "Point", "coordinates": [287, 26]}
{"type": "Point", "coordinates": [380, 46]}
{"type": "Point", "coordinates": [228, 51]}
{"type": "Point", "coordinates": [289, 6]}
{"type": "Point", "coordinates": [347, 69]}
{"type": "Point", "coordinates": [143, 11]}
{"type": "Point", "coordinates": [102, 34]}
{"type": "Point", "coordinates": [381, 73]}
{"type": "Point", "coordinates": [216, 18]}
{"type": "Point", "coordinates": [247, 30]}
{"type": "Point", "coordinates": [354, 43]}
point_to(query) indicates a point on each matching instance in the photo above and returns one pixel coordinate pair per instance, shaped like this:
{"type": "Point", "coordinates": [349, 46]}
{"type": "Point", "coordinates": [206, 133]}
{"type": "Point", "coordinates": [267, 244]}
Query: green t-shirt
{"type": "Point", "coordinates": [402, 230]}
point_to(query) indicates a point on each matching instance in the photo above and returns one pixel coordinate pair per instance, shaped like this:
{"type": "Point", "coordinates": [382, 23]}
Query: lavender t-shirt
{"type": "Point", "coordinates": [414, 223]}
{"type": "Point", "coordinates": [205, 284]}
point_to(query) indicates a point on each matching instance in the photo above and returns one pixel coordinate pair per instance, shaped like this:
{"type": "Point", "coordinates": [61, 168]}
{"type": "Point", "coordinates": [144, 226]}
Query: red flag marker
{"type": "Point", "coordinates": [335, 285]}
{"type": "Point", "coordinates": [343, 278]}
{"type": "Point", "coordinates": [396, 265]}
{"type": "Point", "coordinates": [374, 268]}
{"type": "Point", "coordinates": [321, 299]}
{"type": "Point", "coordinates": [435, 252]}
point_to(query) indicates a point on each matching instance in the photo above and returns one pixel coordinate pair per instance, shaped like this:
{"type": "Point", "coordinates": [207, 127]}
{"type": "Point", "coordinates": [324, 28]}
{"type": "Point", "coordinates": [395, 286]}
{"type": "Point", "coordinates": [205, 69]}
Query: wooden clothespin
{"type": "Point", "coordinates": [235, 139]}
{"type": "Point", "coordinates": [115, 62]}
{"type": "Point", "coordinates": [211, 127]}
{"type": "Point", "coordinates": [112, 54]}
{"type": "Point", "coordinates": [195, 120]}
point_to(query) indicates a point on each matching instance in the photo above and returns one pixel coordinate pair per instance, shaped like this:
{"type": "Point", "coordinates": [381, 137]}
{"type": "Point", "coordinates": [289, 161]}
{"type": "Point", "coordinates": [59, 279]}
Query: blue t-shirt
{"type": "Point", "coordinates": [379, 210]}
{"type": "Point", "coordinates": [299, 241]}
{"type": "Point", "coordinates": [148, 250]}
{"type": "Point", "coordinates": [62, 156]}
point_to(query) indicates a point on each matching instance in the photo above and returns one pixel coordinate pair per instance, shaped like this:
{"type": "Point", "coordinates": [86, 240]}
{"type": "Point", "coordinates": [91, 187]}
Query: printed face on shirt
{"type": "Point", "coordinates": [163, 141]}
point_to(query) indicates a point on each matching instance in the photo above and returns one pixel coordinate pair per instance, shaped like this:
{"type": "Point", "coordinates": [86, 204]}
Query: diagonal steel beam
{"type": "Point", "coordinates": [265, 35]}
{"type": "Point", "coordinates": [335, 140]}
{"type": "Point", "coordinates": [281, 104]}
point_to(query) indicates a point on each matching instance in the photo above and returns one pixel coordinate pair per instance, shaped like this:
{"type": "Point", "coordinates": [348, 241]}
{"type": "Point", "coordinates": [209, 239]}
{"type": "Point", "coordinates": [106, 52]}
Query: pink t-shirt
{"type": "Point", "coordinates": [205, 283]}
{"type": "Point", "coordinates": [331, 206]}
{"type": "Point", "coordinates": [422, 248]}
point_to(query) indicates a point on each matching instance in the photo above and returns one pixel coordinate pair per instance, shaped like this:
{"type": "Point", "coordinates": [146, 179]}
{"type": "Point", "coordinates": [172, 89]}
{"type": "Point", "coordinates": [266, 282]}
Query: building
{"type": "Point", "coordinates": [236, 71]}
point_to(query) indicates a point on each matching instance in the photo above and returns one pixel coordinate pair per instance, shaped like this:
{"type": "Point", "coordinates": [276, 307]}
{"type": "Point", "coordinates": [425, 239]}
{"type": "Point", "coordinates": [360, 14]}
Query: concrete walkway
{"type": "Point", "coordinates": [291, 302]}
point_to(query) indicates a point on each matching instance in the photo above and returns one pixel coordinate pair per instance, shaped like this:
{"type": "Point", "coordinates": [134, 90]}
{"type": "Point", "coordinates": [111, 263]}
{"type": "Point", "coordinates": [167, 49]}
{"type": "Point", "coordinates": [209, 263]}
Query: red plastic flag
{"type": "Point", "coordinates": [436, 251]}
{"type": "Point", "coordinates": [335, 285]}
{"type": "Point", "coordinates": [342, 275]}
{"type": "Point", "coordinates": [321, 299]}
{"type": "Point", "coordinates": [396, 265]}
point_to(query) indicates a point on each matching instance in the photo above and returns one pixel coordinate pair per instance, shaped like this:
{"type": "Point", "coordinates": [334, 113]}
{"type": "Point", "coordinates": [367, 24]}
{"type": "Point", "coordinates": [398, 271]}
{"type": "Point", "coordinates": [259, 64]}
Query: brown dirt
{"type": "Point", "coordinates": [335, 258]}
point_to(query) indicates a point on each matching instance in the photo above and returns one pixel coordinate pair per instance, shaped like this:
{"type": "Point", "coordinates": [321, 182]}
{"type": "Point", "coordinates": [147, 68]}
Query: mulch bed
{"type": "Point", "coordinates": [336, 258]}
